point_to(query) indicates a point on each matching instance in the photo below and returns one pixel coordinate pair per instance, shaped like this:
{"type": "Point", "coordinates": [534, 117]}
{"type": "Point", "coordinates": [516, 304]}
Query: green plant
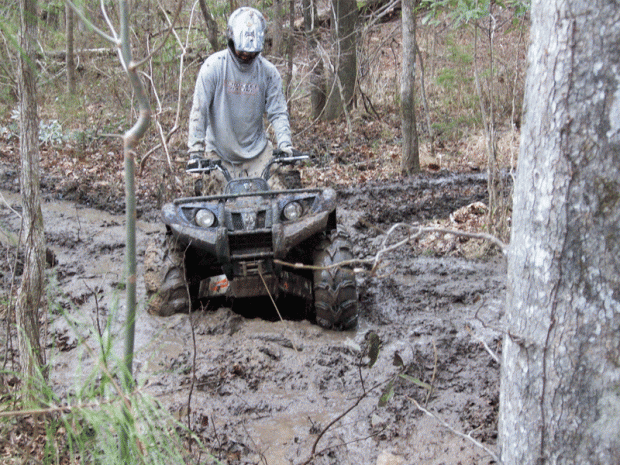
{"type": "Point", "coordinates": [447, 78]}
{"type": "Point", "coordinates": [466, 11]}
{"type": "Point", "coordinates": [85, 425]}
{"type": "Point", "coordinates": [459, 55]}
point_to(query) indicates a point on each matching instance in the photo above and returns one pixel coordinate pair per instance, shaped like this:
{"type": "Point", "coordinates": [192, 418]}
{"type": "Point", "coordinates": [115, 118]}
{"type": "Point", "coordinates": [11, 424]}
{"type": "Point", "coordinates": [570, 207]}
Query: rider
{"type": "Point", "coordinates": [234, 89]}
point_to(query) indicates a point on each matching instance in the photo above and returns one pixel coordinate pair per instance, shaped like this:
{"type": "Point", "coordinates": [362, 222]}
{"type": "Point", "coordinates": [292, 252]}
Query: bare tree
{"type": "Point", "coordinates": [343, 69]}
{"type": "Point", "coordinates": [69, 58]}
{"type": "Point", "coordinates": [290, 47]}
{"type": "Point", "coordinates": [31, 289]}
{"type": "Point", "coordinates": [560, 401]}
{"type": "Point", "coordinates": [410, 161]}
{"type": "Point", "coordinates": [498, 215]}
{"type": "Point", "coordinates": [278, 23]}
{"type": "Point", "coordinates": [131, 138]}
{"type": "Point", "coordinates": [317, 83]}
{"type": "Point", "coordinates": [211, 25]}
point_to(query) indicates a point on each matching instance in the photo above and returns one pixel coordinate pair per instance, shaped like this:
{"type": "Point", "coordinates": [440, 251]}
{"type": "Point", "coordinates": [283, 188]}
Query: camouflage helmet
{"type": "Point", "coordinates": [246, 28]}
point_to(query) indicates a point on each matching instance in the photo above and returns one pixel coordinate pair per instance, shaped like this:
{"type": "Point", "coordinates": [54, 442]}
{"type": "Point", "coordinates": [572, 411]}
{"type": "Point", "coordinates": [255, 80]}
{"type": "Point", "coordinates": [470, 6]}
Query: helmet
{"type": "Point", "coordinates": [246, 29]}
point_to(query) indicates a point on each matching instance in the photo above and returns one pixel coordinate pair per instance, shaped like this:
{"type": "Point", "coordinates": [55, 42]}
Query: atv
{"type": "Point", "coordinates": [250, 242]}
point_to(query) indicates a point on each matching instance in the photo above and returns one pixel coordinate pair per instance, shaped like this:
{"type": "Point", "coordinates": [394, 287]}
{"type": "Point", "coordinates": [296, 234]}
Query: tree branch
{"type": "Point", "coordinates": [114, 39]}
{"type": "Point", "coordinates": [414, 233]}
{"type": "Point", "coordinates": [454, 431]}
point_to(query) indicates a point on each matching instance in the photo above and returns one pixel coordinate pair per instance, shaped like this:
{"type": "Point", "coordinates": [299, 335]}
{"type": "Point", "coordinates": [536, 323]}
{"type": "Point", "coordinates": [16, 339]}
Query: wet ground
{"type": "Point", "coordinates": [266, 391]}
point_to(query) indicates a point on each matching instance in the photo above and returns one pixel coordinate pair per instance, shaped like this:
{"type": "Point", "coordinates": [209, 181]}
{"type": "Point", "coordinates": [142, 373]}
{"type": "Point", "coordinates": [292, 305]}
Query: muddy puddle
{"type": "Point", "coordinates": [264, 391]}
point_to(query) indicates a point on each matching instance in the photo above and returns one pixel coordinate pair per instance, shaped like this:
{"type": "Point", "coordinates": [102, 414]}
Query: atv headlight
{"type": "Point", "coordinates": [293, 211]}
{"type": "Point", "coordinates": [204, 218]}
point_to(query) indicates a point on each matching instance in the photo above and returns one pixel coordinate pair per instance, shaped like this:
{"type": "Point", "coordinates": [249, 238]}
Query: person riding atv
{"type": "Point", "coordinates": [235, 88]}
{"type": "Point", "coordinates": [247, 238]}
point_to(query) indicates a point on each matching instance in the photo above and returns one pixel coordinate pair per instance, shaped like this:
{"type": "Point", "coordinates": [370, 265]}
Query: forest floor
{"type": "Point", "coordinates": [265, 389]}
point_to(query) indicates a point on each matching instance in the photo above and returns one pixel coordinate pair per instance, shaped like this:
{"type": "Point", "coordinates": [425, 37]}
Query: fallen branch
{"type": "Point", "coordinates": [486, 346]}
{"type": "Point", "coordinates": [414, 233]}
{"type": "Point", "coordinates": [454, 431]}
{"type": "Point", "coordinates": [61, 54]}
{"type": "Point", "coordinates": [487, 237]}
{"type": "Point", "coordinates": [9, 207]}
{"type": "Point", "coordinates": [336, 420]}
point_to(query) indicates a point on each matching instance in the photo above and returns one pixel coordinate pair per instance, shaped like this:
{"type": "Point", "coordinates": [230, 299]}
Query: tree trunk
{"type": "Point", "coordinates": [560, 401]}
{"type": "Point", "coordinates": [410, 161]}
{"type": "Point", "coordinates": [70, 62]}
{"type": "Point", "coordinates": [317, 82]}
{"type": "Point", "coordinates": [211, 25]}
{"type": "Point", "coordinates": [31, 290]}
{"type": "Point", "coordinates": [290, 49]}
{"type": "Point", "coordinates": [278, 23]}
{"type": "Point", "coordinates": [342, 80]}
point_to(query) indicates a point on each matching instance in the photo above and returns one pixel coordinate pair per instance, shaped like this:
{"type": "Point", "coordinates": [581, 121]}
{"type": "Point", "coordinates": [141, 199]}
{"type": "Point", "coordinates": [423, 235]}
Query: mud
{"type": "Point", "coordinates": [265, 390]}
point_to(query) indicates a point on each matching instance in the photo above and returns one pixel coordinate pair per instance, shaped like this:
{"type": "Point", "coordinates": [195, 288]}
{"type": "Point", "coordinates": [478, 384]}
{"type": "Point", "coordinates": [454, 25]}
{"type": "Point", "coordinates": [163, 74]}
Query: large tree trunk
{"type": "Point", "coordinates": [31, 289]}
{"type": "Point", "coordinates": [341, 83]}
{"type": "Point", "coordinates": [560, 396]}
{"type": "Point", "coordinates": [410, 161]}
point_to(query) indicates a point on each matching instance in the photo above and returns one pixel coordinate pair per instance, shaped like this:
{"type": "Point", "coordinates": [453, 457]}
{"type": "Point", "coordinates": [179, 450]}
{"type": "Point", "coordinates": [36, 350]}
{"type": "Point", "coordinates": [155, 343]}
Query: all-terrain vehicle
{"type": "Point", "coordinates": [249, 242]}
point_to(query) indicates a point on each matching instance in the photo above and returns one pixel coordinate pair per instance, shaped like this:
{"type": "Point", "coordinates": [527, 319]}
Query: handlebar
{"type": "Point", "coordinates": [283, 157]}
{"type": "Point", "coordinates": [204, 165]}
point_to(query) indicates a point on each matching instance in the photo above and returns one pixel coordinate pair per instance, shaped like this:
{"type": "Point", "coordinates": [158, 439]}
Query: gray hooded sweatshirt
{"type": "Point", "coordinates": [230, 100]}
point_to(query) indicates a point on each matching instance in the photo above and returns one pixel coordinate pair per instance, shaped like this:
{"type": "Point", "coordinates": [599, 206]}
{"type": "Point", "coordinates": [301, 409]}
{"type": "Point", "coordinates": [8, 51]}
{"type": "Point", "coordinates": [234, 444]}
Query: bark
{"type": "Point", "coordinates": [31, 289]}
{"type": "Point", "coordinates": [278, 23]}
{"type": "Point", "coordinates": [560, 401]}
{"type": "Point", "coordinates": [341, 82]}
{"type": "Point", "coordinates": [70, 62]}
{"type": "Point", "coordinates": [290, 48]}
{"type": "Point", "coordinates": [211, 25]}
{"type": "Point", "coordinates": [317, 83]}
{"type": "Point", "coordinates": [410, 161]}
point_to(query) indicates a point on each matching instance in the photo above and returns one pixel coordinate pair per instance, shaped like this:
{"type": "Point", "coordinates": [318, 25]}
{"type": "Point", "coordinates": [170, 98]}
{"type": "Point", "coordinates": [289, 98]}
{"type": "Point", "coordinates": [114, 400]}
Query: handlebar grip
{"type": "Point", "coordinates": [279, 153]}
{"type": "Point", "coordinates": [284, 157]}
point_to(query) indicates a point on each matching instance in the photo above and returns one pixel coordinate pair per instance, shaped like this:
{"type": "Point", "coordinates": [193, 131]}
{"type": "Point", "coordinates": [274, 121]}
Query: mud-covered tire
{"type": "Point", "coordinates": [335, 289]}
{"type": "Point", "coordinates": [164, 277]}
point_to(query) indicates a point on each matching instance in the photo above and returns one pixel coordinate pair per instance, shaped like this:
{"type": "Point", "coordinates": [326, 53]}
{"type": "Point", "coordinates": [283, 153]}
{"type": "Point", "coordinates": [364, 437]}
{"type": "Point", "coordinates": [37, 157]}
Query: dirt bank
{"type": "Point", "coordinates": [265, 390]}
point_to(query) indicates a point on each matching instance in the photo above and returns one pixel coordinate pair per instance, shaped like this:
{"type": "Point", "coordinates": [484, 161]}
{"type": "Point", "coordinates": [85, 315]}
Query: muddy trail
{"type": "Point", "coordinates": [265, 391]}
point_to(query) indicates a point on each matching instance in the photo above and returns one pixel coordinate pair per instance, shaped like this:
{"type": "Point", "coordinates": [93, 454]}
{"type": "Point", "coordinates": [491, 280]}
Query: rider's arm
{"type": "Point", "coordinates": [198, 117]}
{"type": "Point", "coordinates": [275, 107]}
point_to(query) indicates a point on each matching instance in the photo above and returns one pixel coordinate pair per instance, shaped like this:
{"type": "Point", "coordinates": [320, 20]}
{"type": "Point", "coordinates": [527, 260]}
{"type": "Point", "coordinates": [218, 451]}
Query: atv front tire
{"type": "Point", "coordinates": [335, 289]}
{"type": "Point", "coordinates": [164, 277]}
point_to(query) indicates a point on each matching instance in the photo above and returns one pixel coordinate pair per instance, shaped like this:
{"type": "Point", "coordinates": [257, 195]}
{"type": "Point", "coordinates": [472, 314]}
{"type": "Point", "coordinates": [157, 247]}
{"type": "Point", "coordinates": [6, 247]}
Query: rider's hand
{"type": "Point", "coordinates": [192, 162]}
{"type": "Point", "coordinates": [287, 148]}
